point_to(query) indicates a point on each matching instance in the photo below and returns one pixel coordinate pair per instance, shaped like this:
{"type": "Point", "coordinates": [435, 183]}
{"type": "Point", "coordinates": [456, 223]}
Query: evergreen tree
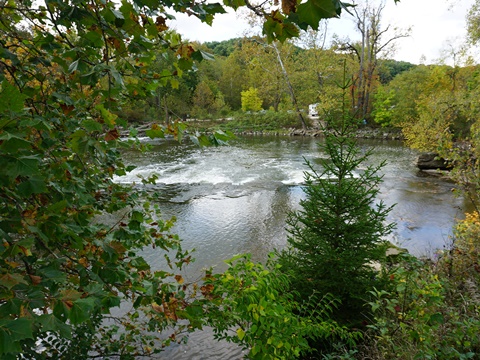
{"type": "Point", "coordinates": [339, 232]}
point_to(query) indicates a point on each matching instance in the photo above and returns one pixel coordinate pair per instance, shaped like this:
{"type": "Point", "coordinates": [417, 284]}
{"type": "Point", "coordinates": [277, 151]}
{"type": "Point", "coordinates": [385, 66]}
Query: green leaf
{"type": "Point", "coordinates": [73, 66]}
{"type": "Point", "coordinates": [436, 318]}
{"type": "Point", "coordinates": [79, 141]}
{"type": "Point", "coordinates": [240, 333]}
{"type": "Point", "coordinates": [223, 137]}
{"type": "Point", "coordinates": [201, 140]}
{"type": "Point", "coordinates": [312, 11]}
{"type": "Point", "coordinates": [25, 165]}
{"type": "Point", "coordinates": [81, 310]}
{"type": "Point", "coordinates": [200, 55]}
{"type": "Point", "coordinates": [155, 132]}
{"type": "Point", "coordinates": [12, 332]}
{"type": "Point", "coordinates": [58, 206]}
{"type": "Point", "coordinates": [174, 83]}
{"type": "Point", "coordinates": [7, 346]}
{"type": "Point", "coordinates": [53, 274]}
{"type": "Point", "coordinates": [18, 329]}
{"type": "Point", "coordinates": [11, 99]}
{"type": "Point", "coordinates": [95, 38]}
{"type": "Point", "coordinates": [107, 115]}
{"type": "Point", "coordinates": [51, 323]}
{"type": "Point", "coordinates": [119, 18]}
{"type": "Point", "coordinates": [117, 76]}
{"type": "Point", "coordinates": [139, 263]}
{"type": "Point", "coordinates": [13, 143]}
{"type": "Point", "coordinates": [64, 98]}
{"type": "Point", "coordinates": [92, 125]}
{"type": "Point", "coordinates": [235, 4]}
{"type": "Point", "coordinates": [34, 185]}
{"type": "Point", "coordinates": [272, 28]}
{"type": "Point", "coordinates": [6, 54]}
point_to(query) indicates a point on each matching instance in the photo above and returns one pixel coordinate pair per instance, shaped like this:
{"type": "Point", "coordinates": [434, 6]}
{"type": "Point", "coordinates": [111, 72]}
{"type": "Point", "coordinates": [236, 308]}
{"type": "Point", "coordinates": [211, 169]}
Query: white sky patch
{"type": "Point", "coordinates": [224, 27]}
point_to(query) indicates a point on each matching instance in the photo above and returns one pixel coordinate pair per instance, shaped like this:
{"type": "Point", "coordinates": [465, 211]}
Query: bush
{"type": "Point", "coordinates": [251, 306]}
{"type": "Point", "coordinates": [424, 315]}
{"type": "Point", "coordinates": [263, 121]}
{"type": "Point", "coordinates": [465, 256]}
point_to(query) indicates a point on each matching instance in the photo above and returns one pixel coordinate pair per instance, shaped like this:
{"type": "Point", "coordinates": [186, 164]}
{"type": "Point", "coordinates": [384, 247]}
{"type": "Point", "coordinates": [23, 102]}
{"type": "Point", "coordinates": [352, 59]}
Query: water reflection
{"type": "Point", "coordinates": [228, 222]}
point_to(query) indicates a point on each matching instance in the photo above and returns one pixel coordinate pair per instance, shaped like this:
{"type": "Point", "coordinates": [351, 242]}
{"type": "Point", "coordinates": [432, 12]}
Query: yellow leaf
{"type": "Point", "coordinates": [240, 333]}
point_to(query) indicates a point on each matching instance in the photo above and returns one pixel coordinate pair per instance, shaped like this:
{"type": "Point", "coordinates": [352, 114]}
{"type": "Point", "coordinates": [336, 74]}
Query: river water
{"type": "Point", "coordinates": [234, 199]}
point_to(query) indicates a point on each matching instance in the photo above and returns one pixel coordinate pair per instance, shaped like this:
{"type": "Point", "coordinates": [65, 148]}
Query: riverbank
{"type": "Point", "coordinates": [364, 133]}
{"type": "Point", "coordinates": [241, 128]}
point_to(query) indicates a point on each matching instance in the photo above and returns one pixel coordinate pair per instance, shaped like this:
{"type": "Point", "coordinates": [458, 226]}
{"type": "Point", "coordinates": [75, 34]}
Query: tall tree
{"type": "Point", "coordinates": [372, 44]}
{"type": "Point", "coordinates": [313, 65]}
{"type": "Point", "coordinates": [339, 230]}
{"type": "Point", "coordinates": [233, 79]}
{"type": "Point", "coordinates": [265, 72]}
{"type": "Point", "coordinates": [203, 101]}
{"type": "Point", "coordinates": [473, 23]}
{"type": "Point", "coordinates": [289, 85]}
{"type": "Point", "coordinates": [272, 74]}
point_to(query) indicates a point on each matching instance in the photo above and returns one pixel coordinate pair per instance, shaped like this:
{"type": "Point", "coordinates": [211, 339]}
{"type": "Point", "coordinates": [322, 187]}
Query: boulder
{"type": "Point", "coordinates": [431, 161]}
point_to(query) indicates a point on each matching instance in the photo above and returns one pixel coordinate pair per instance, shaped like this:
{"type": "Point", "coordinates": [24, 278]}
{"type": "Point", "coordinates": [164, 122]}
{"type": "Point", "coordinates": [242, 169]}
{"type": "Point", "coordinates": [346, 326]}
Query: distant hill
{"type": "Point", "coordinates": [224, 48]}
{"type": "Point", "coordinates": [388, 69]}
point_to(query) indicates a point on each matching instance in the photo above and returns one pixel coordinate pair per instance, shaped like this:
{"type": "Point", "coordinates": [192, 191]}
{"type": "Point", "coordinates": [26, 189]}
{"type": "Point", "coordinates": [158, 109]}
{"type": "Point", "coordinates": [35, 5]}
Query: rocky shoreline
{"type": "Point", "coordinates": [363, 133]}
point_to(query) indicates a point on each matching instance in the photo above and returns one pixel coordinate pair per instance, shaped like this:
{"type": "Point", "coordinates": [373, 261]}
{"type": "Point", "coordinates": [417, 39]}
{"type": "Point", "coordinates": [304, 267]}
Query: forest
{"type": "Point", "coordinates": [77, 75]}
{"type": "Point", "coordinates": [429, 103]}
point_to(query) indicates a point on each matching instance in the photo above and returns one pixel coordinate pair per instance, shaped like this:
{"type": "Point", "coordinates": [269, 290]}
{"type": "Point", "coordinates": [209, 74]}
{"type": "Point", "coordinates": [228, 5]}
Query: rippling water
{"type": "Point", "coordinates": [234, 199]}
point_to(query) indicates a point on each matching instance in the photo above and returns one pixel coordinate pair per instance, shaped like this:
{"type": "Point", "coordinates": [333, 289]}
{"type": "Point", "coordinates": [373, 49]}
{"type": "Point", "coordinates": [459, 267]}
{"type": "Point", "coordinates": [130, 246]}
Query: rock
{"type": "Point", "coordinates": [431, 161]}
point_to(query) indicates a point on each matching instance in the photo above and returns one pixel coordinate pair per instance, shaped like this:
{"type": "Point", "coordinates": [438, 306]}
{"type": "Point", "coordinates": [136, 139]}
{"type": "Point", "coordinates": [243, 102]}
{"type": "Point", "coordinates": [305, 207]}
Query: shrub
{"type": "Point", "coordinates": [251, 100]}
{"type": "Point", "coordinates": [251, 306]}
{"type": "Point", "coordinates": [424, 315]}
{"type": "Point", "coordinates": [465, 256]}
{"type": "Point", "coordinates": [263, 121]}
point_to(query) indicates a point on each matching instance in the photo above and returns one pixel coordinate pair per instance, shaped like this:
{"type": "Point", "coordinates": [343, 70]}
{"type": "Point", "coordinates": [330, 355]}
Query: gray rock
{"type": "Point", "coordinates": [431, 161]}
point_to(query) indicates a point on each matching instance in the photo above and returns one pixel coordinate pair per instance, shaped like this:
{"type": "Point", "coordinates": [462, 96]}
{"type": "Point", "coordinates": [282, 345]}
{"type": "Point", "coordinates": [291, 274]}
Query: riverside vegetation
{"type": "Point", "coordinates": [70, 70]}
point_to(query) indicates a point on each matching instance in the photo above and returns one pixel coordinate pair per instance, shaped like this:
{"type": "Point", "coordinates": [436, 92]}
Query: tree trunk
{"type": "Point", "coordinates": [165, 107]}
{"type": "Point", "coordinates": [290, 88]}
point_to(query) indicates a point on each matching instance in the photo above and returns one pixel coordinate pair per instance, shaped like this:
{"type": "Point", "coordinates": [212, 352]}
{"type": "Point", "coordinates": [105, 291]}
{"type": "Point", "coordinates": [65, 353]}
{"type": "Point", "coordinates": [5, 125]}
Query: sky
{"type": "Point", "coordinates": [436, 25]}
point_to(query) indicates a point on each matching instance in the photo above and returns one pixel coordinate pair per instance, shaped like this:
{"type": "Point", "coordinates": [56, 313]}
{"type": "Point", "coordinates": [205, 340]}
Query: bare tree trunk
{"type": "Point", "coordinates": [290, 87]}
{"type": "Point", "coordinates": [362, 28]}
{"type": "Point", "coordinates": [165, 107]}
{"type": "Point", "coordinates": [368, 24]}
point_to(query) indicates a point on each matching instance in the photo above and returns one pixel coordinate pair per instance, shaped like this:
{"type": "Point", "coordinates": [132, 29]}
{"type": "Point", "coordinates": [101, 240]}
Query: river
{"type": "Point", "coordinates": [234, 199]}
